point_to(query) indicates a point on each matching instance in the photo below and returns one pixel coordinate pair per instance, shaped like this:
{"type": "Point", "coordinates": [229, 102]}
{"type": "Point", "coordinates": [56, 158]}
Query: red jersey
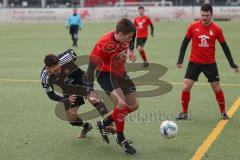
{"type": "Point", "coordinates": [203, 41]}
{"type": "Point", "coordinates": [141, 24]}
{"type": "Point", "coordinates": [109, 55]}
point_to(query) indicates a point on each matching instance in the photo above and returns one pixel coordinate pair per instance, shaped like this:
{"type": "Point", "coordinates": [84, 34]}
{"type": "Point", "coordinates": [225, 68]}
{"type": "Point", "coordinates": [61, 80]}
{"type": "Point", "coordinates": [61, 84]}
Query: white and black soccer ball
{"type": "Point", "coordinates": [168, 129]}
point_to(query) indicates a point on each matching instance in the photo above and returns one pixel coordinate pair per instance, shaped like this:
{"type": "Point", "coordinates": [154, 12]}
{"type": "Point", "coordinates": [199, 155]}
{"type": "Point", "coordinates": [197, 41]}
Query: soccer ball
{"type": "Point", "coordinates": [168, 129]}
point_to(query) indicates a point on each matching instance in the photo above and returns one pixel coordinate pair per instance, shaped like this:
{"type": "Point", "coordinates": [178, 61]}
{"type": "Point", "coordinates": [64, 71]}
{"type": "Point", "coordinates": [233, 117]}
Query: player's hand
{"type": "Point", "coordinates": [72, 99]}
{"type": "Point", "coordinates": [237, 70]}
{"type": "Point", "coordinates": [179, 65]}
{"type": "Point", "coordinates": [93, 98]}
{"type": "Point", "coordinates": [132, 55]}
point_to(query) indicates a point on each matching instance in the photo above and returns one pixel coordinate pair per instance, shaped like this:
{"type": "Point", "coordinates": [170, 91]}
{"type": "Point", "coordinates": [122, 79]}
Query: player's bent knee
{"type": "Point", "coordinates": [186, 89]}
{"type": "Point", "coordinates": [121, 104]}
{"type": "Point", "coordinates": [216, 89]}
{"type": "Point", "coordinates": [140, 48]}
{"type": "Point", "coordinates": [135, 107]}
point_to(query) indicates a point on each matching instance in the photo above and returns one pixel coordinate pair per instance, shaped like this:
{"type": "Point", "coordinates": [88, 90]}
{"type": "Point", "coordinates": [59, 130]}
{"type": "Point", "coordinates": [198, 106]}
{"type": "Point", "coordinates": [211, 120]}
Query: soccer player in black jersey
{"type": "Point", "coordinates": [63, 72]}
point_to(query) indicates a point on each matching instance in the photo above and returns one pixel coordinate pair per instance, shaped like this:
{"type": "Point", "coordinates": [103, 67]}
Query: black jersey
{"type": "Point", "coordinates": [70, 75]}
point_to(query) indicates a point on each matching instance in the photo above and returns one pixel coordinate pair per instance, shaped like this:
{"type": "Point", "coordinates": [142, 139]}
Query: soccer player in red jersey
{"type": "Point", "coordinates": [108, 58]}
{"type": "Point", "coordinates": [203, 33]}
{"type": "Point", "coordinates": [141, 23]}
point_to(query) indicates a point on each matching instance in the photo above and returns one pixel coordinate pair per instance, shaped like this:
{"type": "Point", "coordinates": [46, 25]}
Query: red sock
{"type": "Point", "coordinates": [118, 115]}
{"type": "Point", "coordinates": [143, 55]}
{"type": "Point", "coordinates": [221, 101]}
{"type": "Point", "coordinates": [185, 101]}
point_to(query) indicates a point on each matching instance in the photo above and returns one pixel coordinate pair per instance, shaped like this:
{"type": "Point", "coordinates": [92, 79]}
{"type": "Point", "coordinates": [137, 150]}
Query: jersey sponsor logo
{"type": "Point", "coordinates": [140, 24]}
{"type": "Point", "coordinates": [197, 30]}
{"type": "Point", "coordinates": [211, 33]}
{"type": "Point", "coordinates": [204, 42]}
{"type": "Point", "coordinates": [68, 80]}
{"type": "Point", "coordinates": [45, 85]}
{"type": "Point", "coordinates": [112, 47]}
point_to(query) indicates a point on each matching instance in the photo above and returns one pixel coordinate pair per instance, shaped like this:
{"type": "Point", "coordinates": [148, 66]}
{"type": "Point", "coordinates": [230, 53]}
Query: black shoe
{"type": "Point", "coordinates": [102, 130]}
{"type": "Point", "coordinates": [85, 131]}
{"type": "Point", "coordinates": [224, 116]}
{"type": "Point", "coordinates": [145, 64]}
{"type": "Point", "coordinates": [181, 116]}
{"type": "Point", "coordinates": [126, 146]}
{"type": "Point", "coordinates": [75, 45]}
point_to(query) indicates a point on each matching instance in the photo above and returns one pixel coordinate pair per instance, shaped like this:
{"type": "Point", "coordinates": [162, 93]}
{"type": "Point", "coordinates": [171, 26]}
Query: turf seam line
{"type": "Point", "coordinates": [173, 83]}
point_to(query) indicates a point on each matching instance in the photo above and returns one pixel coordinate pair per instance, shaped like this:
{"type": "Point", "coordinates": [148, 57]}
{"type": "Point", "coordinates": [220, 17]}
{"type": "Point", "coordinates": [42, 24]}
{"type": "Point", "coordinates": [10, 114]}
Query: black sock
{"type": "Point", "coordinates": [77, 122]}
{"type": "Point", "coordinates": [108, 121]}
{"type": "Point", "coordinates": [120, 136]}
{"type": "Point", "coordinates": [86, 125]}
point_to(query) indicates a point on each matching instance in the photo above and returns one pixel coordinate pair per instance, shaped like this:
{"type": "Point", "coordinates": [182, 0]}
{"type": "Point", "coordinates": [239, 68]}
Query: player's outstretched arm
{"type": "Point", "coordinates": [182, 51]}
{"type": "Point", "coordinates": [228, 55]}
{"type": "Point", "coordinates": [131, 53]}
{"type": "Point", "coordinates": [152, 30]}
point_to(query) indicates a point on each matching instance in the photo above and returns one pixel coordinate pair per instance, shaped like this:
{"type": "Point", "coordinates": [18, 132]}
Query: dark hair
{"type": "Point", "coordinates": [207, 7]}
{"type": "Point", "coordinates": [125, 26]}
{"type": "Point", "coordinates": [51, 60]}
{"type": "Point", "coordinates": [140, 7]}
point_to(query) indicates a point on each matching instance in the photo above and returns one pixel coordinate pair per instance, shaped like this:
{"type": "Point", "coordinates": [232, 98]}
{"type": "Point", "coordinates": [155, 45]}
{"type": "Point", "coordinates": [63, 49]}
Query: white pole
{"type": "Point", "coordinates": [5, 3]}
{"type": "Point", "coordinates": [121, 2]}
{"type": "Point", "coordinates": [43, 3]}
{"type": "Point", "coordinates": [82, 3]}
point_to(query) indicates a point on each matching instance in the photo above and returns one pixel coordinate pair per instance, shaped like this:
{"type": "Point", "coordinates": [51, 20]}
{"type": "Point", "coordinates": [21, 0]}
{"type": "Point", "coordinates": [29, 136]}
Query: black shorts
{"type": "Point", "coordinates": [73, 29]}
{"type": "Point", "coordinates": [141, 41]}
{"type": "Point", "coordinates": [209, 70]}
{"type": "Point", "coordinates": [109, 82]}
{"type": "Point", "coordinates": [75, 78]}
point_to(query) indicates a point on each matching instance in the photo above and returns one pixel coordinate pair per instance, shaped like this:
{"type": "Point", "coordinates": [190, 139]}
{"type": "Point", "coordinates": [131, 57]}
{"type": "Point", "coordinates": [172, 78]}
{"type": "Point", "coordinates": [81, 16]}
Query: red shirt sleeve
{"type": "Point", "coordinates": [135, 23]}
{"type": "Point", "coordinates": [96, 54]}
{"type": "Point", "coordinates": [149, 21]}
{"type": "Point", "coordinates": [220, 36]}
{"type": "Point", "coordinates": [189, 32]}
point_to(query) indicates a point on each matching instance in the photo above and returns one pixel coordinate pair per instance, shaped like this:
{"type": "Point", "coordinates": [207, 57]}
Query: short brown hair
{"type": "Point", "coordinates": [207, 7]}
{"type": "Point", "coordinates": [125, 26]}
{"type": "Point", "coordinates": [51, 60]}
{"type": "Point", "coordinates": [140, 7]}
